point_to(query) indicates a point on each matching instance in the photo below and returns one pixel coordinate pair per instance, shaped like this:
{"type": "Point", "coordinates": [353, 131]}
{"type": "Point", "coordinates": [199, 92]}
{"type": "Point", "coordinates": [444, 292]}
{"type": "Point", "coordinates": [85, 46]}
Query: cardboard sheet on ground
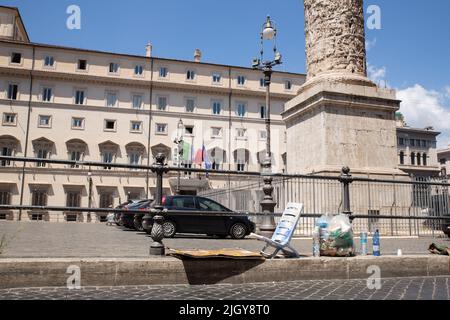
{"type": "Point", "coordinates": [237, 253]}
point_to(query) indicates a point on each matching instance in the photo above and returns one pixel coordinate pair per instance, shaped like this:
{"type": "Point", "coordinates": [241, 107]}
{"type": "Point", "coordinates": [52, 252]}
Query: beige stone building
{"type": "Point", "coordinates": [444, 161]}
{"type": "Point", "coordinates": [69, 103]}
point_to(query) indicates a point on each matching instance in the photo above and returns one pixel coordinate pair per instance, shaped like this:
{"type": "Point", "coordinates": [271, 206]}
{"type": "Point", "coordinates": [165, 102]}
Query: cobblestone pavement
{"type": "Point", "coordinates": [60, 240]}
{"type": "Point", "coordinates": [436, 288]}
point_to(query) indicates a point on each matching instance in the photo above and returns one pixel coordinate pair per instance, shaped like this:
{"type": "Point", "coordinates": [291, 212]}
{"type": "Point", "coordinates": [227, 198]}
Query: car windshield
{"type": "Point", "coordinates": [138, 204]}
{"type": "Point", "coordinates": [209, 205]}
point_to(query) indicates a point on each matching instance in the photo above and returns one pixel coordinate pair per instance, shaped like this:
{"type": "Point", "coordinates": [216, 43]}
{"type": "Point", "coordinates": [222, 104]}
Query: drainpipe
{"type": "Point", "coordinates": [27, 134]}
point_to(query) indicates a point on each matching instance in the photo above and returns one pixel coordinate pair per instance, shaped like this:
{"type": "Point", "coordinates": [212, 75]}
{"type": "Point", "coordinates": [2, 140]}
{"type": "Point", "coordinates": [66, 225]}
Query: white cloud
{"type": "Point", "coordinates": [370, 44]}
{"type": "Point", "coordinates": [377, 75]}
{"type": "Point", "coordinates": [422, 108]}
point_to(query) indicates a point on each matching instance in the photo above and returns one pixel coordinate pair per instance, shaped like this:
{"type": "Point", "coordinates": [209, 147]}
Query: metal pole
{"type": "Point", "coordinates": [268, 80]}
{"type": "Point", "coordinates": [346, 179]}
{"type": "Point", "coordinates": [90, 195]}
{"type": "Point", "coordinates": [157, 248]}
{"type": "Point", "coordinates": [180, 153]}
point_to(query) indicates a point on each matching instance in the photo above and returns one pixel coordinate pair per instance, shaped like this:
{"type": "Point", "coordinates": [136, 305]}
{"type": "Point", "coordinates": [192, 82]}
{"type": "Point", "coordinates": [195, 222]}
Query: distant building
{"type": "Point", "coordinates": [417, 149]}
{"type": "Point", "coordinates": [444, 161]}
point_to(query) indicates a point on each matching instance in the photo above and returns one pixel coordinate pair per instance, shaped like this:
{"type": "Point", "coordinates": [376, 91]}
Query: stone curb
{"type": "Point", "coordinates": [28, 273]}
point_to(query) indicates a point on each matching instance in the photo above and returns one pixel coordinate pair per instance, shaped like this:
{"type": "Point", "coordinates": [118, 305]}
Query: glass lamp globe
{"type": "Point", "coordinates": [268, 32]}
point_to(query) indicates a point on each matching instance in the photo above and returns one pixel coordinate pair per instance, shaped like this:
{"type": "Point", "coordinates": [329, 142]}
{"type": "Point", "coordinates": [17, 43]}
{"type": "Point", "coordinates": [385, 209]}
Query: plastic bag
{"type": "Point", "coordinates": [340, 238]}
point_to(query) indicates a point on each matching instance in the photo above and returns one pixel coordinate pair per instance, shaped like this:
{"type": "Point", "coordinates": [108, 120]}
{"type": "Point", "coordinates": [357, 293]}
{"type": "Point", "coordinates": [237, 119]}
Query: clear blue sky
{"type": "Point", "coordinates": [412, 48]}
{"type": "Point", "coordinates": [413, 43]}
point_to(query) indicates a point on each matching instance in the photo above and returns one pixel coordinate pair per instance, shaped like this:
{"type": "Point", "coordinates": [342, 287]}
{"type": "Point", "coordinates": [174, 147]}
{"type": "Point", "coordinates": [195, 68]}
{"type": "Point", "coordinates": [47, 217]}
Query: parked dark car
{"type": "Point", "coordinates": [121, 206]}
{"type": "Point", "coordinates": [236, 226]}
{"type": "Point", "coordinates": [127, 218]}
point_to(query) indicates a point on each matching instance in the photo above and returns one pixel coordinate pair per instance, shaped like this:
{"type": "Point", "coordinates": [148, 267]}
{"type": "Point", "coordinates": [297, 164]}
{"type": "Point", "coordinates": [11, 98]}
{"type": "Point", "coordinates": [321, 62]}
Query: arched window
{"type": "Point", "coordinates": [413, 159]}
{"type": "Point", "coordinates": [419, 159]}
{"type": "Point", "coordinates": [402, 157]}
{"type": "Point", "coordinates": [425, 159]}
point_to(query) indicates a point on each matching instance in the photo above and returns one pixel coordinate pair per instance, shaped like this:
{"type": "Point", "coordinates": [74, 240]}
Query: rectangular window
{"type": "Point", "coordinates": [136, 126]}
{"type": "Point", "coordinates": [82, 64]}
{"type": "Point", "coordinates": [42, 154]}
{"type": "Point", "coordinates": [190, 105]}
{"type": "Point", "coordinates": [5, 152]}
{"type": "Point", "coordinates": [107, 157]}
{"type": "Point", "coordinates": [163, 72]}
{"type": "Point", "coordinates": [137, 101]}
{"type": "Point", "coordinates": [401, 141]}
{"type": "Point", "coordinates": [39, 198]}
{"type": "Point", "coordinates": [47, 94]}
{"type": "Point", "coordinates": [5, 198]}
{"type": "Point", "coordinates": [262, 134]}
{"type": "Point", "coordinates": [77, 123]}
{"type": "Point", "coordinates": [9, 119]}
{"type": "Point", "coordinates": [411, 142]}
{"type": "Point", "coordinates": [16, 58]}
{"type": "Point", "coordinates": [113, 67]}
{"type": "Point", "coordinates": [138, 70]}
{"type": "Point", "coordinates": [73, 200]}
{"type": "Point", "coordinates": [111, 99]}
{"type": "Point", "coordinates": [217, 107]}
{"type": "Point", "coordinates": [262, 83]}
{"type": "Point", "coordinates": [75, 156]}
{"type": "Point", "coordinates": [241, 80]}
{"type": "Point", "coordinates": [217, 78]}
{"type": "Point", "coordinates": [162, 103]}
{"type": "Point", "coordinates": [79, 97]}
{"type": "Point", "coordinates": [216, 132]}
{"type": "Point", "coordinates": [241, 109]}
{"type": "Point", "coordinates": [106, 200]}
{"type": "Point", "coordinates": [189, 130]}
{"type": "Point", "coordinates": [13, 90]}
{"type": "Point", "coordinates": [190, 75]}
{"type": "Point", "coordinates": [262, 112]}
{"type": "Point", "coordinates": [135, 158]}
{"type": "Point", "coordinates": [161, 128]}
{"type": "Point", "coordinates": [45, 121]}
{"type": "Point", "coordinates": [424, 144]}
{"type": "Point", "coordinates": [418, 143]}
{"type": "Point", "coordinates": [241, 133]}
{"type": "Point", "coordinates": [49, 62]}
{"type": "Point", "coordinates": [110, 125]}
{"type": "Point", "coordinates": [288, 85]}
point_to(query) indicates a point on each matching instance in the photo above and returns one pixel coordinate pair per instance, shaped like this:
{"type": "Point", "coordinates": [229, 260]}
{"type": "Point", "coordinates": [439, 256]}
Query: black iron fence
{"type": "Point", "coordinates": [401, 206]}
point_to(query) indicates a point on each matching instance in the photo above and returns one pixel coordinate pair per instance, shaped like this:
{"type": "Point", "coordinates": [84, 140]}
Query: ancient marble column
{"type": "Point", "coordinates": [339, 118]}
{"type": "Point", "coordinates": [335, 40]}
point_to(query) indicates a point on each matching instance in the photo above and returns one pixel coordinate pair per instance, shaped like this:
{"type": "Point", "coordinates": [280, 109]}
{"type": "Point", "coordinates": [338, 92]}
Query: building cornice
{"type": "Point", "coordinates": [41, 45]}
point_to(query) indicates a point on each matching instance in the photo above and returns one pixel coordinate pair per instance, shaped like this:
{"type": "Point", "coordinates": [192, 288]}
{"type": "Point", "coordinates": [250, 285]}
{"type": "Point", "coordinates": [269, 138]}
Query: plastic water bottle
{"type": "Point", "coordinates": [376, 244]}
{"type": "Point", "coordinates": [316, 242]}
{"type": "Point", "coordinates": [364, 243]}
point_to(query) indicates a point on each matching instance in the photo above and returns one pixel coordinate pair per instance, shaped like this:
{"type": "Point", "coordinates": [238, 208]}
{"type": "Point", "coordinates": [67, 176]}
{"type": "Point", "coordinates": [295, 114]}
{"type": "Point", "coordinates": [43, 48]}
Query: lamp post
{"type": "Point", "coordinates": [179, 142]}
{"type": "Point", "coordinates": [90, 194]}
{"type": "Point", "coordinates": [268, 33]}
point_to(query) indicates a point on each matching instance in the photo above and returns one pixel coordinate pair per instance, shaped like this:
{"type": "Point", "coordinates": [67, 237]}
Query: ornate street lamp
{"type": "Point", "coordinates": [90, 195]}
{"type": "Point", "coordinates": [179, 142]}
{"type": "Point", "coordinates": [268, 33]}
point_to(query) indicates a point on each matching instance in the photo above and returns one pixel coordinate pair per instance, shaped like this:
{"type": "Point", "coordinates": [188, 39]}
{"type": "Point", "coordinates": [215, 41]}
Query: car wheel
{"type": "Point", "coordinates": [238, 231]}
{"type": "Point", "coordinates": [169, 229]}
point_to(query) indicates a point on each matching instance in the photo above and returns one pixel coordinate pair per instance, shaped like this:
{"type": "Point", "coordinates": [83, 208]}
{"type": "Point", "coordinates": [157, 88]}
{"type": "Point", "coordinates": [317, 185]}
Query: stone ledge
{"type": "Point", "coordinates": [21, 273]}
